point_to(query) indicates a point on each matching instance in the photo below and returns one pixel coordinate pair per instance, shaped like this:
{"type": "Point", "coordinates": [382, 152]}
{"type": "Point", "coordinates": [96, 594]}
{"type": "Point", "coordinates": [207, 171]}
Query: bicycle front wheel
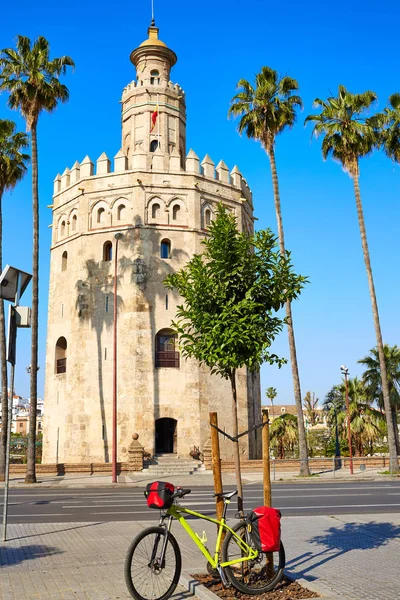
{"type": "Point", "coordinates": [251, 576]}
{"type": "Point", "coordinates": [146, 576]}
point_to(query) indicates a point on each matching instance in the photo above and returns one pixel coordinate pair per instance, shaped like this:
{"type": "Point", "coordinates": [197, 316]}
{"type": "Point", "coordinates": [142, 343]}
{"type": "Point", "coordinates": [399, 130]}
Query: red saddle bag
{"type": "Point", "coordinates": [159, 494]}
{"type": "Point", "coordinates": [266, 528]}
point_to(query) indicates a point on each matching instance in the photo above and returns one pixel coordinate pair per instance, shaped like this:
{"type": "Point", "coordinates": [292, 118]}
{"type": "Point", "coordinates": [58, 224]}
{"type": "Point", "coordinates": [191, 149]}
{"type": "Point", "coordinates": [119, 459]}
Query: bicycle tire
{"type": "Point", "coordinates": [260, 583]}
{"type": "Point", "coordinates": [147, 575]}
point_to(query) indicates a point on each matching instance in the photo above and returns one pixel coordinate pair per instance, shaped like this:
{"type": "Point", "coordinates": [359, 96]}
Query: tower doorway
{"type": "Point", "coordinates": [166, 436]}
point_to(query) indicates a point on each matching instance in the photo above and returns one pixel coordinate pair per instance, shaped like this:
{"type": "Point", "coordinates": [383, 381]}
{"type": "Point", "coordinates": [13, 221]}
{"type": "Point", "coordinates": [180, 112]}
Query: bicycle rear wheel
{"type": "Point", "coordinates": [145, 576]}
{"type": "Point", "coordinates": [253, 576]}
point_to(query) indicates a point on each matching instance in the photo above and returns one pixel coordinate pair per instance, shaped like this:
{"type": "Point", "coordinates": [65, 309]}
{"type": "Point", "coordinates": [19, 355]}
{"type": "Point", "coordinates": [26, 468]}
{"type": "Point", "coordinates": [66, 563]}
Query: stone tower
{"type": "Point", "coordinates": [117, 233]}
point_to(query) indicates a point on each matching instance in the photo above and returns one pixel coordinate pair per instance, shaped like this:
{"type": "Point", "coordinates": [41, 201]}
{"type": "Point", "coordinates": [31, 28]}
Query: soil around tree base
{"type": "Point", "coordinates": [287, 589]}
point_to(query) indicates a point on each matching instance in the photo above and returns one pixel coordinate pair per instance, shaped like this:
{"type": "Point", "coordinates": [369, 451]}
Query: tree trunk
{"type": "Point", "coordinates": [236, 443]}
{"type": "Point", "coordinates": [31, 456]}
{"type": "Point", "coordinates": [3, 367]}
{"type": "Point", "coordinates": [396, 429]}
{"type": "Point", "coordinates": [394, 467]}
{"type": "Point", "coordinates": [303, 452]}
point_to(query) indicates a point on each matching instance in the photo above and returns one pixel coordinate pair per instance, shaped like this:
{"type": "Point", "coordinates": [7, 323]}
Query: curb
{"type": "Point", "coordinates": [201, 592]}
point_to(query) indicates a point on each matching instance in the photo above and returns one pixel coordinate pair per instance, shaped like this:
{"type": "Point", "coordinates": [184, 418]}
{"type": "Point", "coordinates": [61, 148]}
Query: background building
{"type": "Point", "coordinates": [161, 200]}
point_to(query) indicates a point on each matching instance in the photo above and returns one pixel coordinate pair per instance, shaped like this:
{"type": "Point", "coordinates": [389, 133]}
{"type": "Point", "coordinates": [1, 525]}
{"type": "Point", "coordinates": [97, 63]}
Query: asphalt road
{"type": "Point", "coordinates": [65, 505]}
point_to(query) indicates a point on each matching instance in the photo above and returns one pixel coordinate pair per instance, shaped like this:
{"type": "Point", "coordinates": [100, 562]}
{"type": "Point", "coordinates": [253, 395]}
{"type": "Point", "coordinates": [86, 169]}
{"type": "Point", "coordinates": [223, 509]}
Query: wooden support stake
{"type": "Point", "coordinates": [267, 479]}
{"type": "Point", "coordinates": [265, 458]}
{"type": "Point", "coordinates": [216, 465]}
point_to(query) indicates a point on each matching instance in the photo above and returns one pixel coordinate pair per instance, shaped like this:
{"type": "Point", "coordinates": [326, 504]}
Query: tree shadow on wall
{"type": "Point", "coordinates": [95, 305]}
{"type": "Point", "coordinates": [341, 540]}
{"type": "Point", "coordinates": [148, 271]}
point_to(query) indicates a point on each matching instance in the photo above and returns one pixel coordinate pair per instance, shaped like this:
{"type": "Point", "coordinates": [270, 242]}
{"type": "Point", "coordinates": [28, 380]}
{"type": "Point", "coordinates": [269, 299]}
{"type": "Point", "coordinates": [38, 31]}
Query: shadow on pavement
{"type": "Point", "coordinates": [340, 540]}
{"type": "Point", "coordinates": [41, 534]}
{"type": "Point", "coordinates": [11, 556]}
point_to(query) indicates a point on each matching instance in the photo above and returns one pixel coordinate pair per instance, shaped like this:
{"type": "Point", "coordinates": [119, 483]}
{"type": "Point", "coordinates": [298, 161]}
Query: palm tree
{"type": "Point", "coordinates": [365, 421]}
{"type": "Point", "coordinates": [388, 126]}
{"type": "Point", "coordinates": [266, 110]}
{"type": "Point", "coordinates": [12, 169]}
{"type": "Point", "coordinates": [32, 80]}
{"type": "Point", "coordinates": [373, 382]}
{"type": "Point", "coordinates": [310, 404]}
{"type": "Point", "coordinates": [284, 433]}
{"type": "Point", "coordinates": [271, 394]}
{"type": "Point", "coordinates": [348, 136]}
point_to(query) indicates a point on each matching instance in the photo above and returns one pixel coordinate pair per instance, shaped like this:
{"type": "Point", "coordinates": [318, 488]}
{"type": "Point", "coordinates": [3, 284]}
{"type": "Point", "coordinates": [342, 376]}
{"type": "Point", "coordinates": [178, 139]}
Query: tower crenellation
{"type": "Point", "coordinates": [161, 199]}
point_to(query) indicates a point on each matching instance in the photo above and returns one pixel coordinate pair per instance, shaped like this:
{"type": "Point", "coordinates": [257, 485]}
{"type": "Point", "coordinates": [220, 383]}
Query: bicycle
{"type": "Point", "coordinates": [153, 562]}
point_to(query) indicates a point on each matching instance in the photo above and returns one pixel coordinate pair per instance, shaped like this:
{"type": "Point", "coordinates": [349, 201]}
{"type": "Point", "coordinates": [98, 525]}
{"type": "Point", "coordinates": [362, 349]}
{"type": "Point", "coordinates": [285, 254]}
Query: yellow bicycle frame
{"type": "Point", "coordinates": [176, 512]}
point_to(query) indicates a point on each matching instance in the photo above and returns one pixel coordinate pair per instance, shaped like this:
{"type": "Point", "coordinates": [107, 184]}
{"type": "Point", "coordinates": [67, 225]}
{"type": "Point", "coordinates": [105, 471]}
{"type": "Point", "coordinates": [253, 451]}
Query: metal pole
{"type": "Point", "coordinates": [7, 474]}
{"type": "Point", "coordinates": [114, 420]}
{"type": "Point", "coordinates": [9, 422]}
{"type": "Point", "coordinates": [348, 423]}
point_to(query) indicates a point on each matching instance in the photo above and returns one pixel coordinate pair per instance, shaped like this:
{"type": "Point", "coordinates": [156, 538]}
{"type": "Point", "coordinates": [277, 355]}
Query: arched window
{"type": "Point", "coordinates": [100, 215]}
{"type": "Point", "coordinates": [155, 211]}
{"type": "Point", "coordinates": [154, 77]}
{"type": "Point", "coordinates": [62, 230]}
{"type": "Point", "coordinates": [207, 217]}
{"type": "Point", "coordinates": [74, 222]}
{"type": "Point", "coordinates": [166, 349]}
{"type": "Point", "coordinates": [175, 212]}
{"type": "Point", "coordinates": [153, 145]}
{"type": "Point", "coordinates": [107, 251]}
{"type": "Point", "coordinates": [121, 212]}
{"type": "Point", "coordinates": [165, 249]}
{"type": "Point", "coordinates": [61, 356]}
{"type": "Point", "coordinates": [64, 261]}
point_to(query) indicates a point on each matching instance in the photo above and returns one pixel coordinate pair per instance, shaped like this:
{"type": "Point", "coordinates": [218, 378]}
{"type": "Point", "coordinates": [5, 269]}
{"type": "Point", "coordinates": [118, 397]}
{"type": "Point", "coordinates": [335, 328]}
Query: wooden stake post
{"type": "Point", "coordinates": [265, 458]}
{"type": "Point", "coordinates": [267, 477]}
{"type": "Point", "coordinates": [216, 464]}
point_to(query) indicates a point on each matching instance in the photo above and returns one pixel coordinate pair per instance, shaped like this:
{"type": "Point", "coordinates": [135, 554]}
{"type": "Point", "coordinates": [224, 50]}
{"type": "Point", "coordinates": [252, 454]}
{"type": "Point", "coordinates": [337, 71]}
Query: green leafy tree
{"type": "Point", "coordinates": [365, 421]}
{"type": "Point", "coordinates": [348, 136]}
{"type": "Point", "coordinates": [267, 109]}
{"type": "Point", "coordinates": [232, 292]}
{"type": "Point", "coordinates": [284, 434]}
{"type": "Point", "coordinates": [271, 394]}
{"type": "Point", "coordinates": [13, 164]}
{"type": "Point", "coordinates": [373, 381]}
{"type": "Point", "coordinates": [310, 404]}
{"type": "Point", "coordinates": [32, 80]}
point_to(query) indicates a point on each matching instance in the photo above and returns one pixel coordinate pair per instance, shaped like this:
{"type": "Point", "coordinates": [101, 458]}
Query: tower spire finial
{"type": "Point", "coordinates": [152, 24]}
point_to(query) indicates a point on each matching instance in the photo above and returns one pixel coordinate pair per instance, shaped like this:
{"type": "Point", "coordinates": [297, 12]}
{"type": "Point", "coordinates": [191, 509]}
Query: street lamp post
{"type": "Point", "coordinates": [345, 372]}
{"type": "Point", "coordinates": [13, 283]}
{"type": "Point", "coordinates": [338, 462]}
{"type": "Point", "coordinates": [117, 237]}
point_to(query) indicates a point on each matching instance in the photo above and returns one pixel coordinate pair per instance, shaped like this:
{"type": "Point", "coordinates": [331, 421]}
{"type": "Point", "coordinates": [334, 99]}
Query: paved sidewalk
{"type": "Point", "coordinates": [201, 478]}
{"type": "Point", "coordinates": [349, 557]}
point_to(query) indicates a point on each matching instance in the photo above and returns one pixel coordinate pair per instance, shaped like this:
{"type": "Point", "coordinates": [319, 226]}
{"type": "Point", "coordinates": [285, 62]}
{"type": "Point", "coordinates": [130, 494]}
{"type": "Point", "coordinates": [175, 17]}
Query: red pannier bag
{"type": "Point", "coordinates": [266, 528]}
{"type": "Point", "coordinates": [159, 494]}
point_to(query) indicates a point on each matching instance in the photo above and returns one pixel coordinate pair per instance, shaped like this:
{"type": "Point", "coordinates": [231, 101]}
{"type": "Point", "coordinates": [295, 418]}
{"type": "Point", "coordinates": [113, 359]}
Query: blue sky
{"type": "Point", "coordinates": [217, 43]}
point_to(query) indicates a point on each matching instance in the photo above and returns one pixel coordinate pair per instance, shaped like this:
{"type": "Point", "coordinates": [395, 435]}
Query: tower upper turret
{"type": "Point", "coordinates": [153, 108]}
{"type": "Point", "coordinates": [153, 60]}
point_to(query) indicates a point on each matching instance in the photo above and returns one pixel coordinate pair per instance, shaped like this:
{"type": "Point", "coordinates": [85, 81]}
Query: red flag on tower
{"type": "Point", "coordinates": [154, 116]}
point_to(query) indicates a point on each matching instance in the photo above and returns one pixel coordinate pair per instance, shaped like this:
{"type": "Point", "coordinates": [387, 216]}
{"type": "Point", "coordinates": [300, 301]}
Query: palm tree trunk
{"type": "Point", "coordinates": [31, 457]}
{"type": "Point", "coordinates": [3, 367]}
{"type": "Point", "coordinates": [394, 467]}
{"type": "Point", "coordinates": [236, 442]}
{"type": "Point", "coordinates": [396, 429]}
{"type": "Point", "coordinates": [303, 452]}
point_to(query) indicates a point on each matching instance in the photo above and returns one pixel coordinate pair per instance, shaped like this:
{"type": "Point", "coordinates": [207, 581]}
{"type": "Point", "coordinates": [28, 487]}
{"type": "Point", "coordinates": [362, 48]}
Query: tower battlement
{"type": "Point", "coordinates": [205, 169]}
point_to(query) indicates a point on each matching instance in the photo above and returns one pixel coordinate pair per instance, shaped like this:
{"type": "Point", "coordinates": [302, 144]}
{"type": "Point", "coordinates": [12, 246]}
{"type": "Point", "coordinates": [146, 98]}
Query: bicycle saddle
{"type": "Point", "coordinates": [226, 495]}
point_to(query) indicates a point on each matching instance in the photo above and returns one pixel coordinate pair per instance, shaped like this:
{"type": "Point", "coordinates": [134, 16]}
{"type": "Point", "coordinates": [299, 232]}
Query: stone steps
{"type": "Point", "coordinates": [170, 464]}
